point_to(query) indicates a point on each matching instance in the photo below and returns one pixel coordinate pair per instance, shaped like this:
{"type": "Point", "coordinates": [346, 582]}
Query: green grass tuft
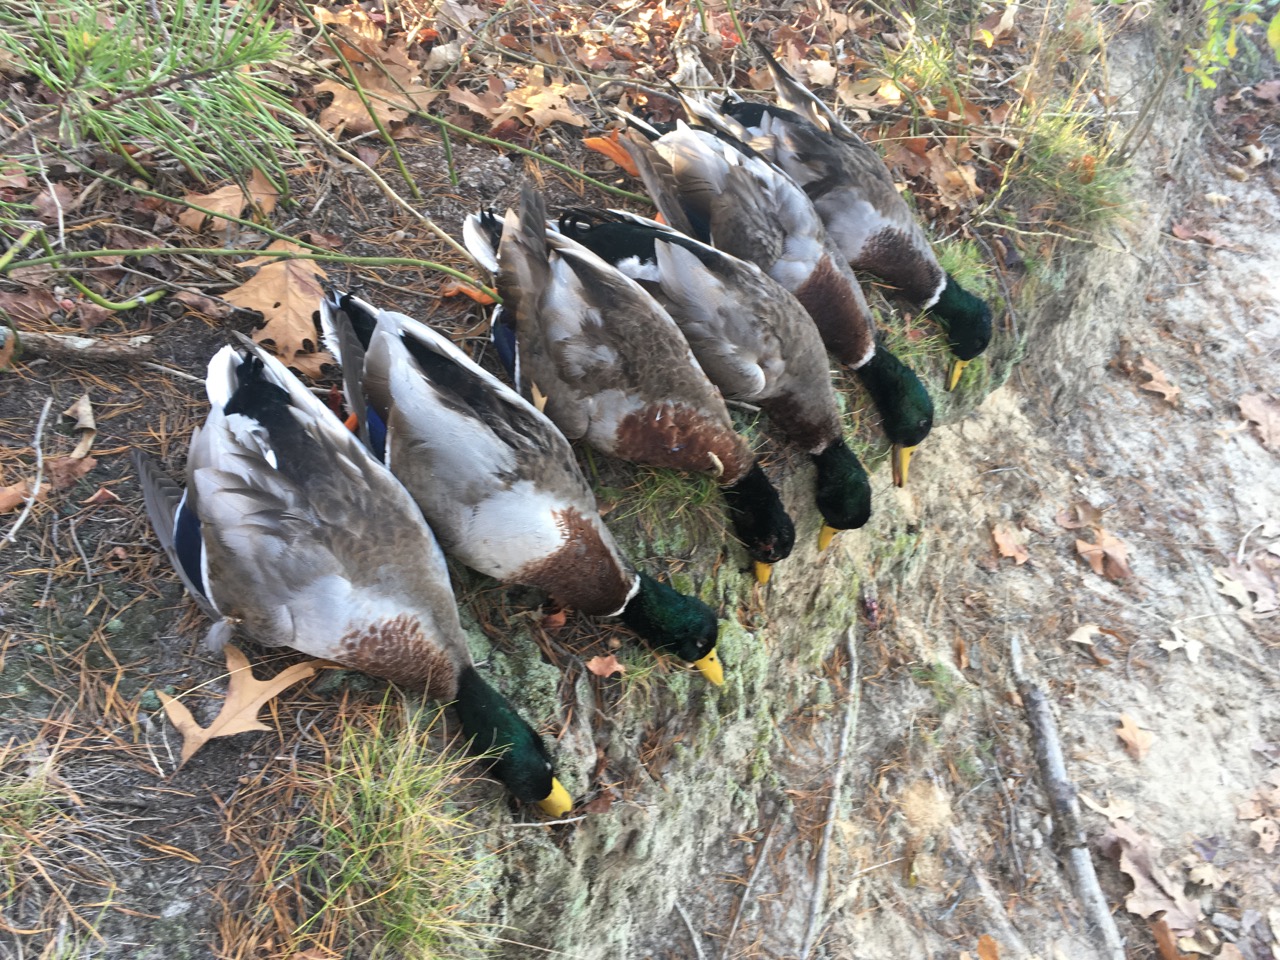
{"type": "Point", "coordinates": [389, 860]}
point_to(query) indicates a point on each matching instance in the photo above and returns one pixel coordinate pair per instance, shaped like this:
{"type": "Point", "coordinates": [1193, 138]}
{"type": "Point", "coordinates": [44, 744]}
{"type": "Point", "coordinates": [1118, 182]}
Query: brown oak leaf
{"type": "Point", "coordinates": [1078, 516]}
{"type": "Point", "coordinates": [1137, 742]}
{"type": "Point", "coordinates": [1153, 890]}
{"type": "Point", "coordinates": [1006, 540]}
{"type": "Point", "coordinates": [245, 697]}
{"type": "Point", "coordinates": [1263, 411]}
{"type": "Point", "coordinates": [1109, 557]}
{"type": "Point", "coordinates": [230, 200]}
{"type": "Point", "coordinates": [285, 292]}
{"type": "Point", "coordinates": [65, 471]}
{"type": "Point", "coordinates": [1159, 382]}
{"type": "Point", "coordinates": [14, 495]}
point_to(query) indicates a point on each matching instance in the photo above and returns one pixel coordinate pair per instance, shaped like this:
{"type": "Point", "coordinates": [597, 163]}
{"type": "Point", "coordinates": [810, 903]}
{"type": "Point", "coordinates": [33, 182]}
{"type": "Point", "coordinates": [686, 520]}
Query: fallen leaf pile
{"type": "Point", "coordinates": [239, 713]}
{"type": "Point", "coordinates": [1262, 810]}
{"type": "Point", "coordinates": [1154, 891]}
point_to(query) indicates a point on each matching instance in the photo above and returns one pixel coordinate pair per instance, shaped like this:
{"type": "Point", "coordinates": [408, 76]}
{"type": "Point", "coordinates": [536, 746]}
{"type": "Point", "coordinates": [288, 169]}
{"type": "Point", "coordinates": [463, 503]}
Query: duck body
{"type": "Point", "coordinates": [754, 339]}
{"type": "Point", "coordinates": [616, 371]}
{"type": "Point", "coordinates": [711, 184]}
{"type": "Point", "coordinates": [736, 201]}
{"type": "Point", "coordinates": [864, 213]}
{"type": "Point", "coordinates": [293, 533]}
{"type": "Point", "coordinates": [499, 483]}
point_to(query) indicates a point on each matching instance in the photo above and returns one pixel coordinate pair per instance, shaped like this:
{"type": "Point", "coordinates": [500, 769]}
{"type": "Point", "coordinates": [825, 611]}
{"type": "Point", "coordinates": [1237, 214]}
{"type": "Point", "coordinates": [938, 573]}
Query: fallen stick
{"type": "Point", "coordinates": [746, 892]}
{"type": "Point", "coordinates": [64, 346]}
{"type": "Point", "coordinates": [1068, 832]}
{"type": "Point", "coordinates": [833, 806]}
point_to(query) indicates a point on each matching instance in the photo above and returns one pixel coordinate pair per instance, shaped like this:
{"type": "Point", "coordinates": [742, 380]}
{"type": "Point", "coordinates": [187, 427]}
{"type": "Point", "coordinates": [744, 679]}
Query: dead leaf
{"type": "Point", "coordinates": [1137, 742]}
{"type": "Point", "coordinates": [1153, 890]}
{"type": "Point", "coordinates": [554, 621]}
{"type": "Point", "coordinates": [229, 200]}
{"type": "Point", "coordinates": [1232, 588]}
{"type": "Point", "coordinates": [1165, 941]}
{"type": "Point", "coordinates": [8, 346]}
{"type": "Point", "coordinates": [51, 202]}
{"type": "Point", "coordinates": [86, 426]}
{"type": "Point", "coordinates": [1084, 634]}
{"type": "Point", "coordinates": [12, 176]}
{"type": "Point", "coordinates": [1263, 411]}
{"type": "Point", "coordinates": [14, 495]}
{"type": "Point", "coordinates": [285, 292]}
{"type": "Point", "coordinates": [102, 496]}
{"type": "Point", "coordinates": [65, 471]}
{"type": "Point", "coordinates": [1185, 231]}
{"type": "Point", "coordinates": [29, 306]}
{"type": "Point", "coordinates": [1181, 641]}
{"type": "Point", "coordinates": [1159, 382]}
{"type": "Point", "coordinates": [1079, 515]}
{"type": "Point", "coordinates": [1115, 809]}
{"type": "Point", "coordinates": [988, 949]}
{"type": "Point", "coordinates": [1268, 832]}
{"type": "Point", "coordinates": [1006, 540]}
{"type": "Point", "coordinates": [205, 306]}
{"type": "Point", "coordinates": [1109, 557]}
{"type": "Point", "coordinates": [239, 714]}
{"type": "Point", "coordinates": [606, 666]}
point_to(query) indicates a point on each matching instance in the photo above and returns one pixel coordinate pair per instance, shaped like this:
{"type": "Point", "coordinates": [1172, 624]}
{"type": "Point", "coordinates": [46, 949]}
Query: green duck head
{"type": "Point", "coordinates": [760, 521]}
{"type": "Point", "coordinates": [491, 725]}
{"type": "Point", "coordinates": [906, 410]}
{"type": "Point", "coordinates": [967, 321]}
{"type": "Point", "coordinates": [670, 622]}
{"type": "Point", "coordinates": [842, 491]}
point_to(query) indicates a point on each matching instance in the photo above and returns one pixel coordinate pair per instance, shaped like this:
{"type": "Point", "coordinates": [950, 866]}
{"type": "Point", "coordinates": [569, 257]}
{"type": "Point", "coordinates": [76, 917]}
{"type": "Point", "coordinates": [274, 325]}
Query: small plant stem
{"type": "Point", "coordinates": [323, 136]}
{"type": "Point", "coordinates": [742, 34]}
{"type": "Point", "coordinates": [100, 300]}
{"type": "Point", "coordinates": [364, 99]}
{"type": "Point", "coordinates": [18, 245]}
{"type": "Point", "coordinates": [35, 487]}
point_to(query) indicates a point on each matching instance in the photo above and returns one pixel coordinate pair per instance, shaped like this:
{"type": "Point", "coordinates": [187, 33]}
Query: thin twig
{"type": "Point", "coordinates": [35, 487]}
{"type": "Point", "coordinates": [548, 823]}
{"type": "Point", "coordinates": [833, 806]}
{"type": "Point", "coordinates": [180, 374]}
{"type": "Point", "coordinates": [693, 935]}
{"type": "Point", "coordinates": [999, 916]}
{"type": "Point", "coordinates": [761, 854]}
{"type": "Point", "coordinates": [1061, 792]}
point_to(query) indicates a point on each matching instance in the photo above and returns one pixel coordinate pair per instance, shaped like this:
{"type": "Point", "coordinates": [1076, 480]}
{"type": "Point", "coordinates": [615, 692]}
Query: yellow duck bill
{"type": "Point", "coordinates": [558, 802]}
{"type": "Point", "coordinates": [953, 375]}
{"type": "Point", "coordinates": [901, 464]}
{"type": "Point", "coordinates": [711, 668]}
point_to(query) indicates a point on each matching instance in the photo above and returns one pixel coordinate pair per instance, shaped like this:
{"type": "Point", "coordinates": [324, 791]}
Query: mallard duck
{"type": "Point", "coordinates": [863, 211]}
{"type": "Point", "coordinates": [609, 365]}
{"type": "Point", "coordinates": [719, 191]}
{"type": "Point", "coordinates": [752, 338]}
{"type": "Point", "coordinates": [291, 531]}
{"type": "Point", "coordinates": [498, 481]}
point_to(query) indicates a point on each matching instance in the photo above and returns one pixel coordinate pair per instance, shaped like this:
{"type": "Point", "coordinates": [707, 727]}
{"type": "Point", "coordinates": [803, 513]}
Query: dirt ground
{"type": "Point", "coordinates": [942, 832]}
